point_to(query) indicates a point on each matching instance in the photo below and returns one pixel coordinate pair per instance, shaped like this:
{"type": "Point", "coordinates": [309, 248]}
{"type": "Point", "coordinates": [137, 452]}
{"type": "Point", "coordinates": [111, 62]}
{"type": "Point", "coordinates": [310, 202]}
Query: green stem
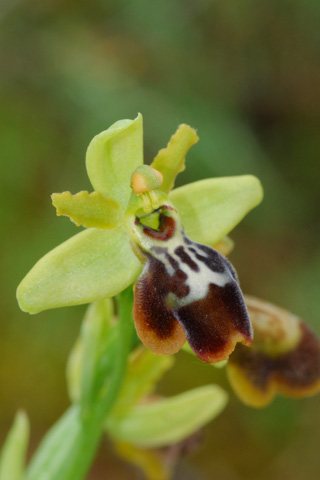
{"type": "Point", "coordinates": [68, 449]}
{"type": "Point", "coordinates": [124, 304]}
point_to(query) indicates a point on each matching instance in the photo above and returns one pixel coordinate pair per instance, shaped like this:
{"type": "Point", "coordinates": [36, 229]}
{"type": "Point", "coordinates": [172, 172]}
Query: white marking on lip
{"type": "Point", "coordinates": [197, 281]}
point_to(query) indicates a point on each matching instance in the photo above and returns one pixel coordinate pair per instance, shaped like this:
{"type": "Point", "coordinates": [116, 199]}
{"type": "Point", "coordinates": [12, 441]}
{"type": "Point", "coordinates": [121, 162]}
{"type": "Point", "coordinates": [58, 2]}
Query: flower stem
{"type": "Point", "coordinates": [68, 449]}
{"type": "Point", "coordinates": [125, 332]}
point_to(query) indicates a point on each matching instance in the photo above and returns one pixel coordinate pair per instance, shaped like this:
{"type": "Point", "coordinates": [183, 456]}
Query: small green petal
{"type": "Point", "coordinates": [170, 160]}
{"type": "Point", "coordinates": [91, 210]}
{"type": "Point", "coordinates": [113, 155]}
{"type": "Point", "coordinates": [211, 208]}
{"type": "Point", "coordinates": [13, 453]}
{"type": "Point", "coordinates": [90, 266]}
{"type": "Point", "coordinates": [170, 420]}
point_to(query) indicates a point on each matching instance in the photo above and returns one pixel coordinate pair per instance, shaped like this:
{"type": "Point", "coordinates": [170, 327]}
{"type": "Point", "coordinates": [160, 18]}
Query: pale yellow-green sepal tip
{"type": "Point", "coordinates": [90, 210]}
{"type": "Point", "coordinates": [170, 161]}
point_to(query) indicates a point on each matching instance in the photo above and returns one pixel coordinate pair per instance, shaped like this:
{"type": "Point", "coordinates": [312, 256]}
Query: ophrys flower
{"type": "Point", "coordinates": [99, 262]}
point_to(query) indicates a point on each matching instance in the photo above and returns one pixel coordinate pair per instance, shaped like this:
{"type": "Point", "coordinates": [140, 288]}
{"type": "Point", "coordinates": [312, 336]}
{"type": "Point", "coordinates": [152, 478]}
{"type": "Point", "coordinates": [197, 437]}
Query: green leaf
{"type": "Point", "coordinates": [210, 208]}
{"type": "Point", "coordinates": [170, 160]}
{"type": "Point", "coordinates": [91, 210]}
{"type": "Point", "coordinates": [67, 450]}
{"type": "Point", "coordinates": [14, 449]}
{"type": "Point", "coordinates": [90, 266]}
{"type": "Point", "coordinates": [170, 420]}
{"type": "Point", "coordinates": [112, 156]}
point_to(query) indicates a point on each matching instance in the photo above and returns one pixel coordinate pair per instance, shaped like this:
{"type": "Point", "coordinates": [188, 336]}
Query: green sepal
{"type": "Point", "coordinates": [170, 420]}
{"type": "Point", "coordinates": [170, 161]}
{"type": "Point", "coordinates": [112, 156]}
{"type": "Point", "coordinates": [92, 265]}
{"type": "Point", "coordinates": [211, 208]}
{"type": "Point", "coordinates": [90, 210]}
{"type": "Point", "coordinates": [12, 458]}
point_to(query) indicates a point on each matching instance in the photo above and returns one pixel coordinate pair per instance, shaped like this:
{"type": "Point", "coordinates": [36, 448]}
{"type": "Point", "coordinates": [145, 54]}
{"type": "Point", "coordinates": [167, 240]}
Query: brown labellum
{"type": "Point", "coordinates": [187, 291]}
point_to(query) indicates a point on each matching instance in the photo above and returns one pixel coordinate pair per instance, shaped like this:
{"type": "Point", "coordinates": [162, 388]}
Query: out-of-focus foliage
{"type": "Point", "coordinates": [246, 75]}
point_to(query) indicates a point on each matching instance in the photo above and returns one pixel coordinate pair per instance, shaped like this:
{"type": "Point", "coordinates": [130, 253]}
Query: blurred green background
{"type": "Point", "coordinates": [246, 75]}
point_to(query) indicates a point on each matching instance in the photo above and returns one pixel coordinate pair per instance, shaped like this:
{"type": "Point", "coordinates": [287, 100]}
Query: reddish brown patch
{"type": "Point", "coordinates": [301, 367]}
{"type": "Point", "coordinates": [155, 323]}
{"type": "Point", "coordinates": [166, 229]}
{"type": "Point", "coordinates": [294, 373]}
{"type": "Point", "coordinates": [215, 324]}
{"type": "Point", "coordinates": [167, 225]}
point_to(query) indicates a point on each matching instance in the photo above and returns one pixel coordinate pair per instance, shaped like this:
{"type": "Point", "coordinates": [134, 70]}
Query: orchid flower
{"type": "Point", "coordinates": [284, 358]}
{"type": "Point", "coordinates": [187, 289]}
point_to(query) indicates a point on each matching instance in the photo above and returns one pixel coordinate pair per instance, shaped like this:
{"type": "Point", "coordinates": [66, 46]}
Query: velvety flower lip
{"type": "Point", "coordinates": [186, 291]}
{"type": "Point", "coordinates": [284, 359]}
